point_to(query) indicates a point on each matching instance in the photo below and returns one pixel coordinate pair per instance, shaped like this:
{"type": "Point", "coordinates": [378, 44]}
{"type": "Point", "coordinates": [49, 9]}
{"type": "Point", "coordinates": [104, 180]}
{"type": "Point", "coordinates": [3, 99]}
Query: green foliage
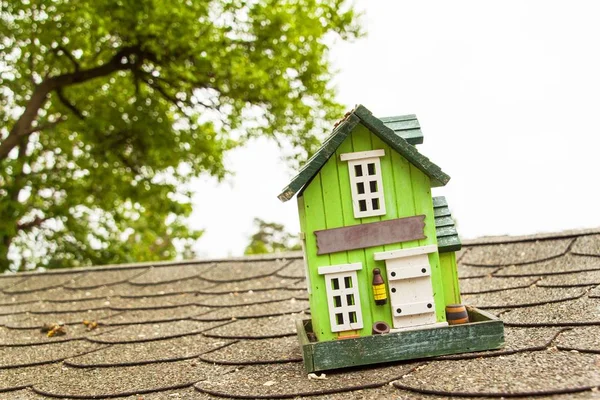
{"type": "Point", "coordinates": [271, 238]}
{"type": "Point", "coordinates": [108, 109]}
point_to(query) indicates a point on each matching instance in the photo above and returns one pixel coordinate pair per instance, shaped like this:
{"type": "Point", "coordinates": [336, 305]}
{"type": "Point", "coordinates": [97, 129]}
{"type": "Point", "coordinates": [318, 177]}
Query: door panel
{"type": "Point", "coordinates": [399, 273]}
{"type": "Point", "coordinates": [411, 292]}
{"type": "Point", "coordinates": [422, 307]}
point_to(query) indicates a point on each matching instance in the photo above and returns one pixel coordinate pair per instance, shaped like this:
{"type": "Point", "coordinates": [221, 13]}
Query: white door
{"type": "Point", "coordinates": [409, 285]}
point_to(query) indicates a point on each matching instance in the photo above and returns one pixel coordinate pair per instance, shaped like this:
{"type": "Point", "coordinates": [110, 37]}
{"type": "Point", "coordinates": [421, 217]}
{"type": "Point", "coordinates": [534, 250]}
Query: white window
{"type": "Point", "coordinates": [342, 296]}
{"type": "Point", "coordinates": [366, 183]}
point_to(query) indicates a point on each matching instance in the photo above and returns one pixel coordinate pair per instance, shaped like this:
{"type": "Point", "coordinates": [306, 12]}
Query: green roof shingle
{"type": "Point", "coordinates": [445, 227]}
{"type": "Point", "coordinates": [405, 126]}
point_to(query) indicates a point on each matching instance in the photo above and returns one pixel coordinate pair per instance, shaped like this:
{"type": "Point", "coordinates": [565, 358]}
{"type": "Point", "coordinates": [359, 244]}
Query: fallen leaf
{"type": "Point", "coordinates": [90, 325]}
{"type": "Point", "coordinates": [53, 329]}
{"type": "Point", "coordinates": [57, 330]}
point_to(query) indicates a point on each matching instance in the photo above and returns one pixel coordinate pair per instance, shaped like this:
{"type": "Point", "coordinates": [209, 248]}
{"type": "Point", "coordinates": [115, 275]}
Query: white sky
{"type": "Point", "coordinates": [508, 97]}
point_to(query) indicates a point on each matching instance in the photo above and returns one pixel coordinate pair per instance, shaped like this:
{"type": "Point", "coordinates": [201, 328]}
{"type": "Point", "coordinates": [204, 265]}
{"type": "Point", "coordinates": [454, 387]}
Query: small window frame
{"type": "Point", "coordinates": [343, 316]}
{"type": "Point", "coordinates": [368, 203]}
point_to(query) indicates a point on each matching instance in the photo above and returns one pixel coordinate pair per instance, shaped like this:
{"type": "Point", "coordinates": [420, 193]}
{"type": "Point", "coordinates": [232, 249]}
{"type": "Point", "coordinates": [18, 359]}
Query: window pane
{"type": "Point", "coordinates": [335, 283]}
{"type": "Point", "coordinates": [347, 282]}
{"type": "Point", "coordinates": [362, 205]}
{"type": "Point", "coordinates": [352, 316]}
{"type": "Point", "coordinates": [337, 301]}
{"type": "Point", "coordinates": [350, 299]}
{"type": "Point", "coordinates": [371, 168]}
{"type": "Point", "coordinates": [339, 319]}
{"type": "Point", "coordinates": [373, 186]}
{"type": "Point", "coordinates": [375, 203]}
{"type": "Point", "coordinates": [358, 170]}
{"type": "Point", "coordinates": [360, 187]}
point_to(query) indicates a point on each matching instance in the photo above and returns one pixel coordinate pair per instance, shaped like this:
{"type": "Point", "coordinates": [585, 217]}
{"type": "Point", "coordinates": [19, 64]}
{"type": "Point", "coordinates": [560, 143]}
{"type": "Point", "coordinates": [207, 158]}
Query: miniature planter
{"type": "Point", "coordinates": [484, 332]}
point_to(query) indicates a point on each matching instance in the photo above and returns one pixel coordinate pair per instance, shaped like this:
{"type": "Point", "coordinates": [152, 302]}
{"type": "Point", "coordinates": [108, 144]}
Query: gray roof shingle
{"type": "Point", "coordinates": [225, 328]}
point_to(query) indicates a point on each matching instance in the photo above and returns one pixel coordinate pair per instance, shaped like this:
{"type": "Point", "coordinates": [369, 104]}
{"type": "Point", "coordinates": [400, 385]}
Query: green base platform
{"type": "Point", "coordinates": [484, 332]}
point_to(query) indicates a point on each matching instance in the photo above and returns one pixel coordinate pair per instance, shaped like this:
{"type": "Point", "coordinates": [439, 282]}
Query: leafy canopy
{"type": "Point", "coordinates": [271, 237]}
{"type": "Point", "coordinates": [109, 108]}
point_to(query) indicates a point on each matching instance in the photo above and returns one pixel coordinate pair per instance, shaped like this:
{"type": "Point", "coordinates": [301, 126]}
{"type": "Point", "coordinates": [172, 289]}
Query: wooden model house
{"type": "Point", "coordinates": [379, 249]}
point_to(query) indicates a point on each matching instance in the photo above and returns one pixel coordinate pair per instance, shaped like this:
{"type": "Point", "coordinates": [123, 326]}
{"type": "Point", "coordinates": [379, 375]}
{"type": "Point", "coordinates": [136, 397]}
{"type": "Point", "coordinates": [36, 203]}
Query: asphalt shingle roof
{"type": "Point", "coordinates": [225, 328]}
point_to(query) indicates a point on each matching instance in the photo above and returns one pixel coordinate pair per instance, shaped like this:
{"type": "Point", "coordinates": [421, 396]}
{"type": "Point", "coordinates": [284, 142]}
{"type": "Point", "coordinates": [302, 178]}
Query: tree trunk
{"type": "Point", "coordinates": [4, 246]}
{"type": "Point", "coordinates": [23, 124]}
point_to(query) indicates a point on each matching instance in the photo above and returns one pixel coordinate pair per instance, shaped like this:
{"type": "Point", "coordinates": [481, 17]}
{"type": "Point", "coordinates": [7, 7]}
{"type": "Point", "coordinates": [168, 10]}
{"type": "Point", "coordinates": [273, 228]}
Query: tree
{"type": "Point", "coordinates": [110, 108]}
{"type": "Point", "coordinates": [271, 237]}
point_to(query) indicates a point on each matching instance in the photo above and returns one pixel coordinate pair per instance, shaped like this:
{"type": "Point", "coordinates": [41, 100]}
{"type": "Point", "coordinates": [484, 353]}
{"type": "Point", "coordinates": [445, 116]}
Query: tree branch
{"type": "Point", "coordinates": [37, 221]}
{"type": "Point", "coordinates": [18, 181]}
{"type": "Point", "coordinates": [119, 62]}
{"type": "Point", "coordinates": [128, 163]}
{"type": "Point", "coordinates": [61, 96]}
{"type": "Point", "coordinates": [41, 127]}
{"type": "Point", "coordinates": [70, 56]}
{"type": "Point", "coordinates": [167, 96]}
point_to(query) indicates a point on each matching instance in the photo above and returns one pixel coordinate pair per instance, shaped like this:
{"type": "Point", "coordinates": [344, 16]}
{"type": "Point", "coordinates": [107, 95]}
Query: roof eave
{"type": "Point", "coordinates": [362, 115]}
{"type": "Point", "coordinates": [435, 173]}
{"type": "Point", "coordinates": [316, 162]}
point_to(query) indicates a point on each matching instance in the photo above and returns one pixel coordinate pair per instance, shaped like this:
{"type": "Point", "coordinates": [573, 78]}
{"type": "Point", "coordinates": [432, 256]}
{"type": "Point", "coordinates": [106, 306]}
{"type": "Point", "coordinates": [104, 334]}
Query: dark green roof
{"type": "Point", "coordinates": [405, 126]}
{"type": "Point", "coordinates": [361, 115]}
{"type": "Point", "coordinates": [445, 227]}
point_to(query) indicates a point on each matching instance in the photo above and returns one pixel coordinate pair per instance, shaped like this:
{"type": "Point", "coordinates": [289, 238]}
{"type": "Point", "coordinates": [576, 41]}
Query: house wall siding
{"type": "Point", "coordinates": [450, 278]}
{"type": "Point", "coordinates": [327, 203]}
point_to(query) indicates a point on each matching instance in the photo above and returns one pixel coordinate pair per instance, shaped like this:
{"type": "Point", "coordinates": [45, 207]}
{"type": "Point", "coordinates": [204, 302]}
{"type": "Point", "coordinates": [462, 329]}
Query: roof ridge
{"type": "Point", "coordinates": [408, 151]}
{"type": "Point", "coordinates": [480, 241]}
{"type": "Point", "coordinates": [395, 118]}
{"type": "Point", "coordinates": [485, 240]}
{"type": "Point", "coordinates": [159, 264]}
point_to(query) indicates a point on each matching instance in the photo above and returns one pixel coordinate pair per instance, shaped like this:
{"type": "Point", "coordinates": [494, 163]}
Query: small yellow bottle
{"type": "Point", "coordinates": [379, 290]}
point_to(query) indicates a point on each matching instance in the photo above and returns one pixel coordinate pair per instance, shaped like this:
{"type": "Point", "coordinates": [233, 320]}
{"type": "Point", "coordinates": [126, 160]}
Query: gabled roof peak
{"type": "Point", "coordinates": [362, 115]}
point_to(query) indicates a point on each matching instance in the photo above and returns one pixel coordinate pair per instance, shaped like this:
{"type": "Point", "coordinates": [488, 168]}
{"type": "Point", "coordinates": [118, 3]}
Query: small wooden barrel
{"type": "Point", "coordinates": [456, 314]}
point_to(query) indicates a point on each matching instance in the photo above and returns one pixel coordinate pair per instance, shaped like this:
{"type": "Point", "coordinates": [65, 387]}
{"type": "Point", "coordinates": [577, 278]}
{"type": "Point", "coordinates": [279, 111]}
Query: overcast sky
{"type": "Point", "coordinates": [508, 97]}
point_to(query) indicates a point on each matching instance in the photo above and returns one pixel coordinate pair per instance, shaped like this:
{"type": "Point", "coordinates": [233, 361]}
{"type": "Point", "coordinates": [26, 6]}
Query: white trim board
{"type": "Point", "coordinates": [335, 269]}
{"type": "Point", "coordinates": [414, 251]}
{"type": "Point", "coordinates": [359, 155]}
{"type": "Point", "coordinates": [420, 327]}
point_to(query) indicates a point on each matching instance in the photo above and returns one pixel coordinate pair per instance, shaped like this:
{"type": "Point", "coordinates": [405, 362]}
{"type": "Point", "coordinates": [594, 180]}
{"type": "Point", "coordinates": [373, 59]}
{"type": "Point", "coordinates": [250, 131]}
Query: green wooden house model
{"type": "Point", "coordinates": [379, 250]}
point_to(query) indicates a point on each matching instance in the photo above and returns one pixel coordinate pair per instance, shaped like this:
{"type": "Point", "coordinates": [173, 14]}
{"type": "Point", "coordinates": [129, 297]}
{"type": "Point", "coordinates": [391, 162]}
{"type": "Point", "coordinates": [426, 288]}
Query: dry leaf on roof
{"type": "Point", "coordinates": [52, 329]}
{"type": "Point", "coordinates": [90, 325]}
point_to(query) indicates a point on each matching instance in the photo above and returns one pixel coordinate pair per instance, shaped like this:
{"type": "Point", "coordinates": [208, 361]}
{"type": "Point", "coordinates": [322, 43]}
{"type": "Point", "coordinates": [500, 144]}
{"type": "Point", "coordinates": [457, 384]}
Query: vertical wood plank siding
{"type": "Point", "coordinates": [328, 204]}
{"type": "Point", "coordinates": [422, 196]}
{"type": "Point", "coordinates": [315, 217]}
{"type": "Point", "coordinates": [348, 220]}
{"type": "Point", "coordinates": [450, 278]}
{"type": "Point", "coordinates": [362, 141]}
